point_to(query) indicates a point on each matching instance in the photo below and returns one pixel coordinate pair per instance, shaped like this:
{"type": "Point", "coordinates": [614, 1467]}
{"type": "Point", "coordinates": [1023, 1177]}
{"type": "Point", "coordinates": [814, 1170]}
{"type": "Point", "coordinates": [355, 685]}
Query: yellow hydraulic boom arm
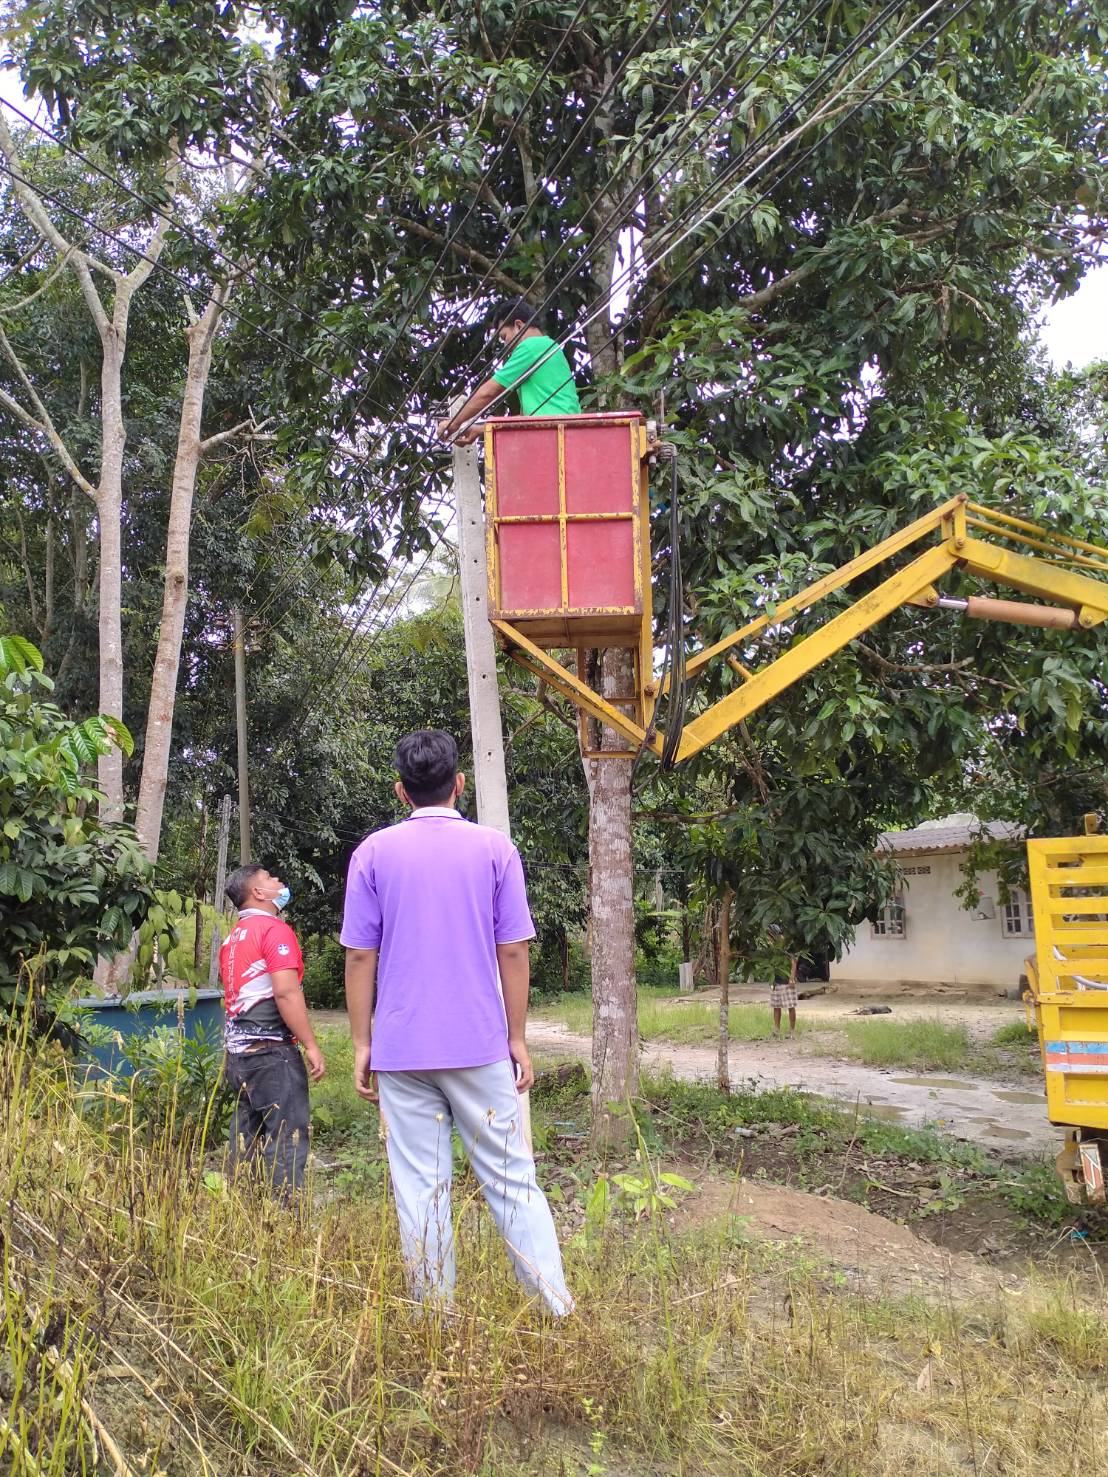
{"type": "Point", "coordinates": [1070, 574]}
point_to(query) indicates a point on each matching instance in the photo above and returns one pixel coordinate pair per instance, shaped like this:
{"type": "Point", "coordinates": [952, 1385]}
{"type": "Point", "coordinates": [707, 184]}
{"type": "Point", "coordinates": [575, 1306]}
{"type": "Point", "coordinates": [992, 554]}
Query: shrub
{"type": "Point", "coordinates": [324, 973]}
{"type": "Point", "coordinates": [71, 886]}
{"type": "Point", "coordinates": [177, 1081]}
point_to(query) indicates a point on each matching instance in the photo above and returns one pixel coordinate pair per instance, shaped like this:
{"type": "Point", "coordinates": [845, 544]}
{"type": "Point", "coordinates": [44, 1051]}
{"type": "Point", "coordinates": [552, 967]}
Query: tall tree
{"type": "Point", "coordinates": [815, 342]}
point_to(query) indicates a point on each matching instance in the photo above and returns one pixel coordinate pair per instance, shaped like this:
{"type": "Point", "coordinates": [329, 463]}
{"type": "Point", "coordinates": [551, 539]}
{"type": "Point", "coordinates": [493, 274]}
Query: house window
{"type": "Point", "coordinates": [1018, 919]}
{"type": "Point", "coordinates": [890, 923]}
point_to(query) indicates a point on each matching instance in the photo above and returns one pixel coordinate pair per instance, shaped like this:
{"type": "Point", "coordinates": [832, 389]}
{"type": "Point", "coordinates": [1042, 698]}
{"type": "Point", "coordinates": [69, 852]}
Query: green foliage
{"type": "Point", "coordinates": [649, 1192]}
{"type": "Point", "coordinates": [1036, 1192]}
{"type": "Point", "coordinates": [324, 973]}
{"type": "Point", "coordinates": [71, 886]}
{"type": "Point", "coordinates": [176, 1083]}
{"type": "Point", "coordinates": [1015, 1033]}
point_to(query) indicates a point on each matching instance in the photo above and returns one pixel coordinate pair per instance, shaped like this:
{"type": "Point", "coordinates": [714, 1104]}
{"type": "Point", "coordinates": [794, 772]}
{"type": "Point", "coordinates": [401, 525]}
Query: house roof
{"type": "Point", "coordinates": [951, 834]}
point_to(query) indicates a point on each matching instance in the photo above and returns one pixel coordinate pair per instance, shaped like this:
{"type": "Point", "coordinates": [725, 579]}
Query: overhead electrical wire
{"type": "Point", "coordinates": [669, 247]}
{"type": "Point", "coordinates": [820, 113]}
{"type": "Point", "coordinates": [780, 121]}
{"type": "Point", "coordinates": [430, 359]}
{"type": "Point", "coordinates": [615, 213]}
{"type": "Point", "coordinates": [476, 195]}
{"type": "Point", "coordinates": [178, 225]}
{"type": "Point", "coordinates": [745, 155]}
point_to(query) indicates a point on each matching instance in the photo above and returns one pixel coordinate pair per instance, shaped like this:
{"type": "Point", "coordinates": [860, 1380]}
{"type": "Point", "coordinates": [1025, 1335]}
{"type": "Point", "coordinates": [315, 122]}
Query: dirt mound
{"type": "Point", "coordinates": [865, 1248]}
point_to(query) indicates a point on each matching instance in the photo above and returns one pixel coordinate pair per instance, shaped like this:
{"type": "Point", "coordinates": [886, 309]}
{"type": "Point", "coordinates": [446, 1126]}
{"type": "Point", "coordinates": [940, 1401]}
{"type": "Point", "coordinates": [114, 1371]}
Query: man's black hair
{"type": "Point", "coordinates": [427, 763]}
{"type": "Point", "coordinates": [240, 881]}
{"type": "Point", "coordinates": [515, 310]}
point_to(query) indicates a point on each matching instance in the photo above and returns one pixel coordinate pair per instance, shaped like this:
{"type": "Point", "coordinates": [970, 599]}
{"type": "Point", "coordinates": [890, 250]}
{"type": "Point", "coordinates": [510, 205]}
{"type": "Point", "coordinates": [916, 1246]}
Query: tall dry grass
{"type": "Point", "coordinates": [157, 1319]}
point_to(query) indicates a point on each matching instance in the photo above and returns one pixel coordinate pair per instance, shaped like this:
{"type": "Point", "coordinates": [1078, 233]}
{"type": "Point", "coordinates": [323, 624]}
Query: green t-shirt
{"type": "Point", "coordinates": [547, 390]}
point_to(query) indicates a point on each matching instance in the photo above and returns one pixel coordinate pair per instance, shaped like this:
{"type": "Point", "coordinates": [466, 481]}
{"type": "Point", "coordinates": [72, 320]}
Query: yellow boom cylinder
{"type": "Point", "coordinates": [1014, 612]}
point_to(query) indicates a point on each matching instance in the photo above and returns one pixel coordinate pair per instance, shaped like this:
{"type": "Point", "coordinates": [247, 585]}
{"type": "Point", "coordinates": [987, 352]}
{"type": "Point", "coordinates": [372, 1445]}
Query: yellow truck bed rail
{"type": "Point", "coordinates": [1068, 979]}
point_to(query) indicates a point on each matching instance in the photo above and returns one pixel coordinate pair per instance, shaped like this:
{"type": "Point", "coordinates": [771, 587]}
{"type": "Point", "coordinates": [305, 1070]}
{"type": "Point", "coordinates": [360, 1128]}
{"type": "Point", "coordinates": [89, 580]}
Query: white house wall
{"type": "Point", "coordinates": [943, 944]}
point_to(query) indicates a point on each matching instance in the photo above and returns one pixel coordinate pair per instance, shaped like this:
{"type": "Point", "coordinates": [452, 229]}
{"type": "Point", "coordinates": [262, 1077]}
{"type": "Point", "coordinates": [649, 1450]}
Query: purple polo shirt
{"type": "Point", "coordinates": [436, 895]}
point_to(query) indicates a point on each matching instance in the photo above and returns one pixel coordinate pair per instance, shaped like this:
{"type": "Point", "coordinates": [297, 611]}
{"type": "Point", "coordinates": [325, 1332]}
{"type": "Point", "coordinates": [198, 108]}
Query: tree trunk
{"type": "Point", "coordinates": [48, 584]}
{"type": "Point", "coordinates": [198, 914]}
{"type": "Point", "coordinates": [615, 1032]}
{"type": "Point", "coordinates": [109, 517]}
{"type": "Point", "coordinates": [167, 660]}
{"type": "Point", "coordinates": [615, 1039]}
{"type": "Point", "coordinates": [563, 948]}
{"type": "Point", "coordinates": [723, 980]}
{"type": "Point", "coordinates": [109, 514]}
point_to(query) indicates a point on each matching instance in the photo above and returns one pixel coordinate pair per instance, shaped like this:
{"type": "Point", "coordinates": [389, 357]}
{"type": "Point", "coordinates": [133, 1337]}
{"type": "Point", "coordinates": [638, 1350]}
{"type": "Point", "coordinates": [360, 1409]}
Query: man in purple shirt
{"type": "Point", "coordinates": [435, 907]}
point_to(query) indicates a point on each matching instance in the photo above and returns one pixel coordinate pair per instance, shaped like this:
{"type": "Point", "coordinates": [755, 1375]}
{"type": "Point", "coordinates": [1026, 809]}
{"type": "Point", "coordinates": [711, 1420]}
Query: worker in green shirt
{"type": "Point", "coordinates": [535, 366]}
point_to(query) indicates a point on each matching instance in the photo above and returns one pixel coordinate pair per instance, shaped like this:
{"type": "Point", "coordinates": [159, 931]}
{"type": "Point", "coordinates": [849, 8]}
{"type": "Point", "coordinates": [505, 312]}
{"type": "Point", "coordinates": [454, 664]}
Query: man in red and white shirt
{"type": "Point", "coordinates": [267, 1024]}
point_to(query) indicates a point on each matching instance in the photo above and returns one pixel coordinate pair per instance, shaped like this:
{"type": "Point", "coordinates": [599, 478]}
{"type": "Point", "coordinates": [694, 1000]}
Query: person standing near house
{"type": "Point", "coordinates": [782, 996]}
{"type": "Point", "coordinates": [535, 366]}
{"type": "Point", "coordinates": [267, 1025]}
{"type": "Point", "coordinates": [434, 906]}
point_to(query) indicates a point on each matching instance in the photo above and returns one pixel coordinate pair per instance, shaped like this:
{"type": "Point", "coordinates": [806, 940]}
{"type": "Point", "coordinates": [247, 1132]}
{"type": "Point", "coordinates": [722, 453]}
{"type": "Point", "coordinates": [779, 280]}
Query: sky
{"type": "Point", "coordinates": [1074, 331]}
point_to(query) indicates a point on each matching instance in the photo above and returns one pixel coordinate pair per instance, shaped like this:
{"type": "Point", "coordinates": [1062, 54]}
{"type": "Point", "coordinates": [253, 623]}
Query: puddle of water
{"type": "Point", "coordinates": [866, 1110]}
{"type": "Point", "coordinates": [1021, 1097]}
{"type": "Point", "coordinates": [1006, 1133]}
{"type": "Point", "coordinates": [949, 1082]}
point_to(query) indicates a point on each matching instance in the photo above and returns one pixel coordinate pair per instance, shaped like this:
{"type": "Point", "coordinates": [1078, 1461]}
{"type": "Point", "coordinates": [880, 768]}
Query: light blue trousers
{"type": "Point", "coordinates": [419, 1109]}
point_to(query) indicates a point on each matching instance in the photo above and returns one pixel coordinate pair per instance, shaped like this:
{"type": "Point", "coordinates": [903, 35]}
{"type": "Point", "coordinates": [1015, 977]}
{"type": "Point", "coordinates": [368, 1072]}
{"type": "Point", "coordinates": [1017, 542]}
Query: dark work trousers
{"type": "Point", "coordinates": [270, 1115]}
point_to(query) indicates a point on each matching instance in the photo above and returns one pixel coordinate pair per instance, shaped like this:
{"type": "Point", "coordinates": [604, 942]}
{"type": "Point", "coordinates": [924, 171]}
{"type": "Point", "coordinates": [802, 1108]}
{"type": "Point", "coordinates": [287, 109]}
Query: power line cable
{"type": "Point", "coordinates": [869, 97]}
{"type": "Point", "coordinates": [446, 246]}
{"type": "Point", "coordinates": [476, 195]}
{"type": "Point", "coordinates": [614, 214]}
{"type": "Point", "coordinates": [821, 112]}
{"type": "Point", "coordinates": [604, 228]}
{"type": "Point", "coordinates": [786, 117]}
{"type": "Point", "coordinates": [797, 163]}
{"type": "Point", "coordinates": [158, 266]}
{"type": "Point", "coordinates": [728, 105]}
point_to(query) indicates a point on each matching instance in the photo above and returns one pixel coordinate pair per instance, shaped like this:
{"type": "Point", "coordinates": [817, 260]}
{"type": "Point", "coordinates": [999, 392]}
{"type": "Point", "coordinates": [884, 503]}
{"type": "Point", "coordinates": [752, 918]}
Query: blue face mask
{"type": "Point", "coordinates": [282, 899]}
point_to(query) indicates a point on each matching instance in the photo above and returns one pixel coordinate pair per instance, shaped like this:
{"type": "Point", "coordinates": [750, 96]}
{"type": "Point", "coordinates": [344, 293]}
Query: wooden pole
{"type": "Point", "coordinates": [220, 882]}
{"type": "Point", "coordinates": [243, 753]}
{"type": "Point", "coordinates": [486, 728]}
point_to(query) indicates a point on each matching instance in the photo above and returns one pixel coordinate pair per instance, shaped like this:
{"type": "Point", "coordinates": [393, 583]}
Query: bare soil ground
{"type": "Point", "coordinates": [981, 1110]}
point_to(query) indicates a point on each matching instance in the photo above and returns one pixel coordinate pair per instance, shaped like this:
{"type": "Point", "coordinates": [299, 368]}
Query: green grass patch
{"type": "Point", "coordinates": [926, 1045]}
{"type": "Point", "coordinates": [1015, 1033]}
{"type": "Point", "coordinates": [665, 1017]}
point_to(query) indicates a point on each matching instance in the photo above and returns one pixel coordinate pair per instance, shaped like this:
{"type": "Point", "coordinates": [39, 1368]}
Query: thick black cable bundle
{"type": "Point", "coordinates": [673, 654]}
{"type": "Point", "coordinates": [675, 638]}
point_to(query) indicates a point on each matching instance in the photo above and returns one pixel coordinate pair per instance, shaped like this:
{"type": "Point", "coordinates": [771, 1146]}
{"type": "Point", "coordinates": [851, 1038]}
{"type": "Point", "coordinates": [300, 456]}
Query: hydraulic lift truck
{"type": "Point", "coordinates": [569, 571]}
{"type": "Point", "coordinates": [1067, 999]}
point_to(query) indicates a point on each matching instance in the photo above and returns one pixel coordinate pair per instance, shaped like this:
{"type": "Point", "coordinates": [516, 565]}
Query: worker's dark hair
{"type": "Point", "coordinates": [427, 763]}
{"type": "Point", "coordinates": [240, 881]}
{"type": "Point", "coordinates": [515, 310]}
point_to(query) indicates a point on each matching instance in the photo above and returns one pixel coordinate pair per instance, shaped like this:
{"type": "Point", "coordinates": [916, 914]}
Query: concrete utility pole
{"type": "Point", "coordinates": [484, 695]}
{"type": "Point", "coordinates": [240, 726]}
{"type": "Point", "coordinates": [486, 728]}
{"type": "Point", "coordinates": [220, 883]}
